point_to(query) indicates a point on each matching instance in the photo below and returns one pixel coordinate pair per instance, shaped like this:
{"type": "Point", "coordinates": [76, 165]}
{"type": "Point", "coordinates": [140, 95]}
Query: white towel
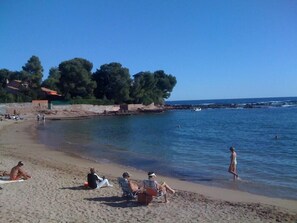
{"type": "Point", "coordinates": [6, 180]}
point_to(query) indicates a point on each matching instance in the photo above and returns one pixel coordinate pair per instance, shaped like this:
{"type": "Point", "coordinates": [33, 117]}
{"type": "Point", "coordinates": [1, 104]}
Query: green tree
{"type": "Point", "coordinates": [4, 76]}
{"type": "Point", "coordinates": [17, 75]}
{"type": "Point", "coordinates": [21, 96]}
{"type": "Point", "coordinates": [113, 83]}
{"type": "Point", "coordinates": [143, 88]}
{"type": "Point", "coordinates": [152, 87]}
{"type": "Point", "coordinates": [76, 79]}
{"type": "Point", "coordinates": [6, 97]}
{"type": "Point", "coordinates": [34, 70]}
{"type": "Point", "coordinates": [53, 79]}
{"type": "Point", "coordinates": [165, 83]}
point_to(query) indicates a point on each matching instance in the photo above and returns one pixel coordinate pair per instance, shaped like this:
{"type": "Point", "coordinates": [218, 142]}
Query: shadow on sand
{"type": "Point", "coordinates": [75, 188]}
{"type": "Point", "coordinates": [115, 201]}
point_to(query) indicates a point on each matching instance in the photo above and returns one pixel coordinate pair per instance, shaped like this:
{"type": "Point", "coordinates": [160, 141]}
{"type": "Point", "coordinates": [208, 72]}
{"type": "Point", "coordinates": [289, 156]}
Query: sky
{"type": "Point", "coordinates": [216, 49]}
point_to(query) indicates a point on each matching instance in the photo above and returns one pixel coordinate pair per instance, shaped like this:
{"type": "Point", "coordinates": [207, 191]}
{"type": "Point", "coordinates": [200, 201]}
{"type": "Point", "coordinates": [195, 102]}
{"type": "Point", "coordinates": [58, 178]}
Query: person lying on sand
{"type": "Point", "coordinates": [96, 182]}
{"type": "Point", "coordinates": [18, 173]}
{"type": "Point", "coordinates": [161, 189]}
{"type": "Point", "coordinates": [4, 173]}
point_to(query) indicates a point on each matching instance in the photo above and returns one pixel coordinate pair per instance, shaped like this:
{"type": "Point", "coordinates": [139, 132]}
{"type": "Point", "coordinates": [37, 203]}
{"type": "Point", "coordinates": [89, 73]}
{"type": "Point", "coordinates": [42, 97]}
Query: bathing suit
{"type": "Point", "coordinates": [235, 161]}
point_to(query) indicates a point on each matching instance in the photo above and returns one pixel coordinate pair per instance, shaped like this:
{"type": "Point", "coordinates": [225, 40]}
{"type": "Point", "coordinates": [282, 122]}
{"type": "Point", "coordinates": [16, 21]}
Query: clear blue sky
{"type": "Point", "coordinates": [216, 49]}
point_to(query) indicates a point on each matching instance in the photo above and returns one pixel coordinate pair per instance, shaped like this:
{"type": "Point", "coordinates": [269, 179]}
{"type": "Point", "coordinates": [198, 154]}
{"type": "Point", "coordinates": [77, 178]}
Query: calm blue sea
{"type": "Point", "coordinates": [194, 146]}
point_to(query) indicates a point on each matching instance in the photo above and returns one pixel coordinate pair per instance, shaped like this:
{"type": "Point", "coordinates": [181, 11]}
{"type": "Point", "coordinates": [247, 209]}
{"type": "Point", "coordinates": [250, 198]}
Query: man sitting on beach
{"type": "Point", "coordinates": [133, 185]}
{"type": "Point", "coordinates": [129, 187]}
{"type": "Point", "coordinates": [160, 189]}
{"type": "Point", "coordinates": [18, 173]}
{"type": "Point", "coordinates": [94, 181]}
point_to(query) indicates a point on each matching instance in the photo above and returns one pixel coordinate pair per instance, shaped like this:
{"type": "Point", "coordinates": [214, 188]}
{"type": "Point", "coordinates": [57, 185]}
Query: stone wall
{"type": "Point", "coordinates": [136, 107]}
{"type": "Point", "coordinates": [40, 104]}
{"type": "Point", "coordinates": [16, 108]}
{"type": "Point", "coordinates": [2, 109]}
{"type": "Point", "coordinates": [35, 107]}
{"type": "Point", "coordinates": [100, 109]}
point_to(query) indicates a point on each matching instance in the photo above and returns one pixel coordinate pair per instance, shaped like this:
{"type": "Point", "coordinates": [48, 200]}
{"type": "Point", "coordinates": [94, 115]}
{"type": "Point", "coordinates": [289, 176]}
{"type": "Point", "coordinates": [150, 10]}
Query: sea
{"type": "Point", "coordinates": [194, 145]}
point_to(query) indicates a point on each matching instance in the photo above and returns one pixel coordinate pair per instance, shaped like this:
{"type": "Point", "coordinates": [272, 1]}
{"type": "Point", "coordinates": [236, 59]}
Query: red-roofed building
{"type": "Point", "coordinates": [51, 94]}
{"type": "Point", "coordinates": [49, 91]}
{"type": "Point", "coordinates": [15, 86]}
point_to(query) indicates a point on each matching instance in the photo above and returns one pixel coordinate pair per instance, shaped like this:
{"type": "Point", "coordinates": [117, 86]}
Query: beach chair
{"type": "Point", "coordinates": [150, 192]}
{"type": "Point", "coordinates": [127, 192]}
{"type": "Point", "coordinates": [144, 198]}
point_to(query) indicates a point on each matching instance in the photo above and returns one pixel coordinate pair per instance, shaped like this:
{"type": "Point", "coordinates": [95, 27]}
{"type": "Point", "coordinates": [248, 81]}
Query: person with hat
{"type": "Point", "coordinates": [94, 181]}
{"type": "Point", "coordinates": [18, 173]}
{"type": "Point", "coordinates": [161, 189]}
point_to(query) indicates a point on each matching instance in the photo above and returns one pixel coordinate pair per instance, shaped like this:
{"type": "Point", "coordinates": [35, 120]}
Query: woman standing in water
{"type": "Point", "coordinates": [233, 163]}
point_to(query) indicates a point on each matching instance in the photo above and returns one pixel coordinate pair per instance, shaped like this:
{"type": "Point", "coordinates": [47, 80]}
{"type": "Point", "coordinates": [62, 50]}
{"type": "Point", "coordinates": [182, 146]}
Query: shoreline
{"type": "Point", "coordinates": [18, 143]}
{"type": "Point", "coordinates": [230, 185]}
{"type": "Point", "coordinates": [214, 192]}
{"type": "Point", "coordinates": [113, 151]}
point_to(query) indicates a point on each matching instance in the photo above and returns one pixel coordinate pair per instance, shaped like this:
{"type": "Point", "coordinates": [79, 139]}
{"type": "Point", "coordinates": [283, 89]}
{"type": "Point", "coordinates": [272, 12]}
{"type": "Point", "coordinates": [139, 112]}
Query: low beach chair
{"type": "Point", "coordinates": [144, 198]}
{"type": "Point", "coordinates": [150, 192]}
{"type": "Point", "coordinates": [127, 192]}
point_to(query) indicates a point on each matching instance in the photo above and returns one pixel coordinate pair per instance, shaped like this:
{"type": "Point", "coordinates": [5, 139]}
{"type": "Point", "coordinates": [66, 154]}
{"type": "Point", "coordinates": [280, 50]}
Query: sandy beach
{"type": "Point", "coordinates": [55, 193]}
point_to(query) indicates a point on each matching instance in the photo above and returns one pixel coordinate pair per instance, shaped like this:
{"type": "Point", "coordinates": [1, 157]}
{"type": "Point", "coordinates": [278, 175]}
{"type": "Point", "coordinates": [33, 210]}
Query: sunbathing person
{"type": "Point", "coordinates": [18, 173]}
{"type": "Point", "coordinates": [161, 189]}
{"type": "Point", "coordinates": [129, 187]}
{"type": "Point", "coordinates": [94, 181]}
{"type": "Point", "coordinates": [132, 185]}
{"type": "Point", "coordinates": [4, 173]}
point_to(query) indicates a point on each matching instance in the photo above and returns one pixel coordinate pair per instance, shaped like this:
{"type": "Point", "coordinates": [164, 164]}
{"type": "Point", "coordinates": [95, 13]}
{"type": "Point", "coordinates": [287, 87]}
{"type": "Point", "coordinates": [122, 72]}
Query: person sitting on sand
{"type": "Point", "coordinates": [161, 189]}
{"type": "Point", "coordinates": [233, 163]}
{"type": "Point", "coordinates": [94, 181]}
{"type": "Point", "coordinates": [18, 173]}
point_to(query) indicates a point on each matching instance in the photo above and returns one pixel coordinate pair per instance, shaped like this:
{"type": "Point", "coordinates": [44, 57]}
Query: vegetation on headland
{"type": "Point", "coordinates": [74, 80]}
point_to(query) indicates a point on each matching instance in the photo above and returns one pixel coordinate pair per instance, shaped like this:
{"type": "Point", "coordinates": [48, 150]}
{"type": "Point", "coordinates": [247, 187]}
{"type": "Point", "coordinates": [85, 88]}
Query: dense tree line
{"type": "Point", "coordinates": [111, 83]}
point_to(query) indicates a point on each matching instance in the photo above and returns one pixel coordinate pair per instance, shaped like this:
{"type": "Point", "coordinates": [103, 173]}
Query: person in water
{"type": "Point", "coordinates": [233, 163]}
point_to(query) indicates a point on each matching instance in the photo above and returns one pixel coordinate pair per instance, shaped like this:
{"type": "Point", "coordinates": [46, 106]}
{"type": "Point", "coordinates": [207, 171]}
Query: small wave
{"type": "Point", "coordinates": [288, 105]}
{"type": "Point", "coordinates": [70, 143]}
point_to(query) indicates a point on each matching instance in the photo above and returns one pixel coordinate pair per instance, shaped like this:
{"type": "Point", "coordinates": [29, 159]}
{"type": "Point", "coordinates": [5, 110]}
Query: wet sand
{"type": "Point", "coordinates": [55, 193]}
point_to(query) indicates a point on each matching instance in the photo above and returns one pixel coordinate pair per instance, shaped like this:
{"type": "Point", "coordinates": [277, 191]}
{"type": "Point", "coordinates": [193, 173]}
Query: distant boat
{"type": "Point", "coordinates": [197, 109]}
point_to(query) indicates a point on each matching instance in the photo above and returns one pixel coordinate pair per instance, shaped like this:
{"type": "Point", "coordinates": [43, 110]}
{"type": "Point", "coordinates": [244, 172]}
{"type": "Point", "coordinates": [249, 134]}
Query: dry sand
{"type": "Point", "coordinates": [55, 193]}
